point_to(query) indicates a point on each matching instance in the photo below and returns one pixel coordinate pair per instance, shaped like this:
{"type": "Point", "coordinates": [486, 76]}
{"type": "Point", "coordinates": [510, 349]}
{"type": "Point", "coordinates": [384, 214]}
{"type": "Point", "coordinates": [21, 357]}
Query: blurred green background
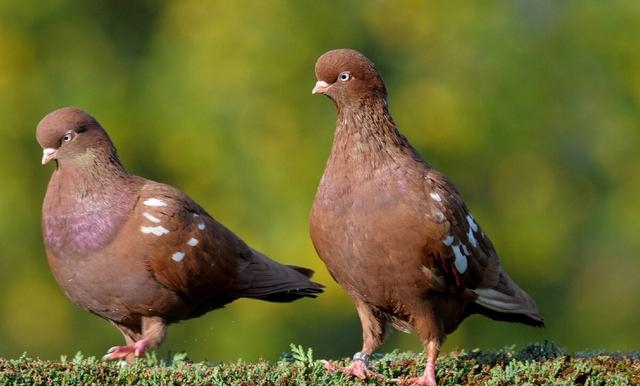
{"type": "Point", "coordinates": [530, 107]}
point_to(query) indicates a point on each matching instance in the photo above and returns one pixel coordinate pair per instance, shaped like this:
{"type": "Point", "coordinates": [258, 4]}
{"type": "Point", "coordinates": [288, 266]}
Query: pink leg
{"type": "Point", "coordinates": [358, 368]}
{"type": "Point", "coordinates": [429, 377]}
{"type": "Point", "coordinates": [129, 351]}
{"type": "Point", "coordinates": [373, 328]}
{"type": "Point", "coordinates": [139, 339]}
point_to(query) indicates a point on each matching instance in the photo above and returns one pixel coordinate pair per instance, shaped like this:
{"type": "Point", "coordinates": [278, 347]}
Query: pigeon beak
{"type": "Point", "coordinates": [321, 87]}
{"type": "Point", "coordinates": [48, 154]}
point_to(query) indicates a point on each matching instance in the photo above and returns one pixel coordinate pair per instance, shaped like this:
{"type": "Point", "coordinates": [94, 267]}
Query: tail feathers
{"type": "Point", "coordinates": [305, 271]}
{"type": "Point", "coordinates": [291, 295]}
{"type": "Point", "coordinates": [275, 282]}
{"type": "Point", "coordinates": [508, 302]}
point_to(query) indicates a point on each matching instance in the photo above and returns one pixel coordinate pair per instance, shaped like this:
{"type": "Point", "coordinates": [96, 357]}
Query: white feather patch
{"type": "Point", "coordinates": [472, 223]}
{"type": "Point", "coordinates": [178, 256]}
{"type": "Point", "coordinates": [472, 238]}
{"type": "Point", "coordinates": [151, 217]}
{"type": "Point", "coordinates": [154, 202]}
{"type": "Point", "coordinates": [448, 240]}
{"type": "Point", "coordinates": [435, 196]}
{"type": "Point", "coordinates": [192, 242]}
{"type": "Point", "coordinates": [497, 301]}
{"type": "Point", "coordinates": [157, 230]}
{"type": "Point", "coordinates": [461, 260]}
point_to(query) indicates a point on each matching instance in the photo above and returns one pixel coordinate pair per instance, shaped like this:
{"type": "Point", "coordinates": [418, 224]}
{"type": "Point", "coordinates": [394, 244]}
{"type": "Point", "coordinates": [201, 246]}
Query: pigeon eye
{"type": "Point", "coordinates": [67, 137]}
{"type": "Point", "coordinates": [344, 76]}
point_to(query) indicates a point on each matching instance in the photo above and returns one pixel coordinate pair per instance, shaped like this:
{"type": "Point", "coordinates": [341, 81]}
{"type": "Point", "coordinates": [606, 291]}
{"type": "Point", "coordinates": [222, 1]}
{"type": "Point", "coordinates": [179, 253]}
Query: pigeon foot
{"type": "Point", "coordinates": [357, 368]}
{"type": "Point", "coordinates": [127, 352]}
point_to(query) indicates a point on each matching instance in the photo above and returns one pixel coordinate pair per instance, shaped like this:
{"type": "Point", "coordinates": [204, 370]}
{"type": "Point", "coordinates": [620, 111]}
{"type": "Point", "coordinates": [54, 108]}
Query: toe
{"type": "Point", "coordinates": [329, 366]}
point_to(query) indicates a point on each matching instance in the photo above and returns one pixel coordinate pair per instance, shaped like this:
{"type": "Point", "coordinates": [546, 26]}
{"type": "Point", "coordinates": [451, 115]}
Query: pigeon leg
{"type": "Point", "coordinates": [373, 330]}
{"type": "Point", "coordinates": [432, 349]}
{"type": "Point", "coordinates": [153, 332]}
{"type": "Point", "coordinates": [429, 377]}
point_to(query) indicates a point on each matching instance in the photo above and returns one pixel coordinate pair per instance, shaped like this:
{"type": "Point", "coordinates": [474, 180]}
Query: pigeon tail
{"type": "Point", "coordinates": [275, 282]}
{"type": "Point", "coordinates": [507, 302]}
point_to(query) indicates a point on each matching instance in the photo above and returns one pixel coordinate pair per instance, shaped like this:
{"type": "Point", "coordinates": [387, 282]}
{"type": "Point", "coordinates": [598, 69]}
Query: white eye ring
{"type": "Point", "coordinates": [344, 76]}
{"type": "Point", "coordinates": [67, 137]}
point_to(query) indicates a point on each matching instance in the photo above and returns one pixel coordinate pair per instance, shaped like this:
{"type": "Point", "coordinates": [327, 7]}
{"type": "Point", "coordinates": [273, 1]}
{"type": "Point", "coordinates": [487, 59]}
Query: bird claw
{"type": "Point", "coordinates": [328, 366]}
{"type": "Point", "coordinates": [128, 352]}
{"type": "Point", "coordinates": [415, 381]}
{"type": "Point", "coordinates": [118, 352]}
{"type": "Point", "coordinates": [357, 369]}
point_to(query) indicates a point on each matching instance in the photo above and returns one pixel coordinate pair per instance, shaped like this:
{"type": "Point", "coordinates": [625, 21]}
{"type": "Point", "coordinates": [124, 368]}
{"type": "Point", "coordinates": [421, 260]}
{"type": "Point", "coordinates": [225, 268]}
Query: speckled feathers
{"type": "Point", "coordinates": [139, 253]}
{"type": "Point", "coordinates": [394, 232]}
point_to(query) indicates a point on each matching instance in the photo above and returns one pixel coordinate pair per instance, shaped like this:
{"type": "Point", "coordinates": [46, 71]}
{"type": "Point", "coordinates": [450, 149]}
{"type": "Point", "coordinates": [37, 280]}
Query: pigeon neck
{"type": "Point", "coordinates": [366, 133]}
{"type": "Point", "coordinates": [93, 170]}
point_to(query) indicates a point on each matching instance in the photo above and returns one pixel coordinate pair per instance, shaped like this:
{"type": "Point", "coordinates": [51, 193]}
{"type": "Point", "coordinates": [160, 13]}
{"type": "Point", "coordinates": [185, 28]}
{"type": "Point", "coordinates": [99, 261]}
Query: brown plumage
{"type": "Point", "coordinates": [393, 231]}
{"type": "Point", "coordinates": [139, 253]}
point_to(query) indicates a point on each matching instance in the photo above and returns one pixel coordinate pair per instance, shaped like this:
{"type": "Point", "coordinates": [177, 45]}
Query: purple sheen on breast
{"type": "Point", "coordinates": [78, 234]}
{"type": "Point", "coordinates": [86, 227]}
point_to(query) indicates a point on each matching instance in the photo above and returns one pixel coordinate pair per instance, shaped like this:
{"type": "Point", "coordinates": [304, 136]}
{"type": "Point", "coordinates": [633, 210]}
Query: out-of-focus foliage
{"type": "Point", "coordinates": [531, 107]}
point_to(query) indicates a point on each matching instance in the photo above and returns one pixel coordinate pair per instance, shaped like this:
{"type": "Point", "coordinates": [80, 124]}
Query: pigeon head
{"type": "Point", "coordinates": [71, 135]}
{"type": "Point", "coordinates": [346, 76]}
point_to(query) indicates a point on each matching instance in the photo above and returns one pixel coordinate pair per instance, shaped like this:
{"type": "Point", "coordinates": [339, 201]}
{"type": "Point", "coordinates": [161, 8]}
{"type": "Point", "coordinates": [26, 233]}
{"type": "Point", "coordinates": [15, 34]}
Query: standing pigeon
{"type": "Point", "coordinates": [394, 232]}
{"type": "Point", "coordinates": [139, 253]}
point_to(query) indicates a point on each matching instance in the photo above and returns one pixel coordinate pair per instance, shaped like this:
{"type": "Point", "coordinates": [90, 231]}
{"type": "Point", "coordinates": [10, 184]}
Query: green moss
{"type": "Point", "coordinates": [535, 364]}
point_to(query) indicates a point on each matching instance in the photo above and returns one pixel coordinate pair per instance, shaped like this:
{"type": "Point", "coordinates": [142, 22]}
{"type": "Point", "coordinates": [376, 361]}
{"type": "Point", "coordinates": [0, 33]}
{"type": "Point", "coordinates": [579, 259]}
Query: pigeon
{"type": "Point", "coordinates": [138, 253]}
{"type": "Point", "coordinates": [394, 232]}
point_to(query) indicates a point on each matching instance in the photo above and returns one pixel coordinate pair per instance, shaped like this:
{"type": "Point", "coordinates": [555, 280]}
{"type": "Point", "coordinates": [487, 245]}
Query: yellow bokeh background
{"type": "Point", "coordinates": [531, 107]}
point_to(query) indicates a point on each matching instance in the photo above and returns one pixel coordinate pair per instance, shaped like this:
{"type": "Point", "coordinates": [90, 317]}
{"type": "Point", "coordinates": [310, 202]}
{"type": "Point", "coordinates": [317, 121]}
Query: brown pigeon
{"type": "Point", "coordinates": [139, 253]}
{"type": "Point", "coordinates": [394, 232]}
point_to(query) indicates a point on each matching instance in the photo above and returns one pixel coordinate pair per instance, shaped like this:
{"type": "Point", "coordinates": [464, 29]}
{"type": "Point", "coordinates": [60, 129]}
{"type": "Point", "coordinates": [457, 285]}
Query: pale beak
{"type": "Point", "coordinates": [321, 87]}
{"type": "Point", "coordinates": [48, 154]}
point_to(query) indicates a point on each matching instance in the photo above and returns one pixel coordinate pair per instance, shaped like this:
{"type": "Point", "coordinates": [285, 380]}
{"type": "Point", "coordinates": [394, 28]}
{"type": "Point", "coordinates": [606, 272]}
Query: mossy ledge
{"type": "Point", "coordinates": [535, 364]}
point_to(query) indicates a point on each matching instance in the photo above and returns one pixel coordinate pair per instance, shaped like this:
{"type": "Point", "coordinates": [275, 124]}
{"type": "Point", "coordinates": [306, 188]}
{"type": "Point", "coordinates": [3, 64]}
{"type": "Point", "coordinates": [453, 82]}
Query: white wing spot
{"type": "Point", "coordinates": [178, 256]}
{"type": "Point", "coordinates": [472, 223]}
{"type": "Point", "coordinates": [195, 215]}
{"type": "Point", "coordinates": [151, 217]}
{"type": "Point", "coordinates": [472, 238]}
{"type": "Point", "coordinates": [448, 240]}
{"type": "Point", "coordinates": [157, 230]}
{"type": "Point", "coordinates": [154, 202]}
{"type": "Point", "coordinates": [465, 250]}
{"type": "Point", "coordinates": [201, 226]}
{"type": "Point", "coordinates": [192, 242]}
{"type": "Point", "coordinates": [435, 196]}
{"type": "Point", "coordinates": [461, 260]}
{"type": "Point", "coordinates": [498, 301]}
